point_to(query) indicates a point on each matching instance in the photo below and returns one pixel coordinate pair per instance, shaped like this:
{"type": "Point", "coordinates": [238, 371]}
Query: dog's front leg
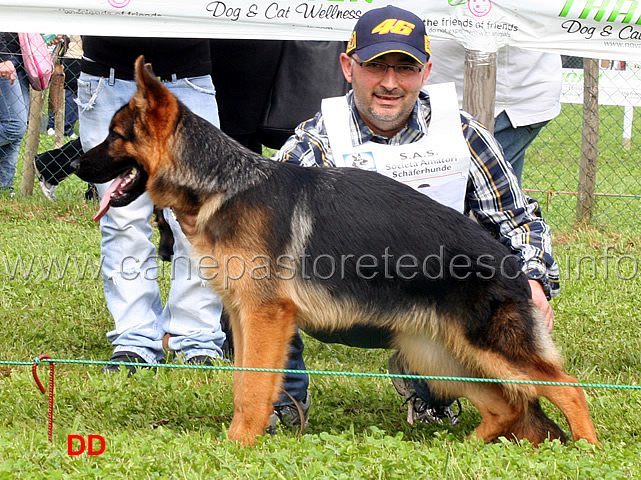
{"type": "Point", "coordinates": [265, 331]}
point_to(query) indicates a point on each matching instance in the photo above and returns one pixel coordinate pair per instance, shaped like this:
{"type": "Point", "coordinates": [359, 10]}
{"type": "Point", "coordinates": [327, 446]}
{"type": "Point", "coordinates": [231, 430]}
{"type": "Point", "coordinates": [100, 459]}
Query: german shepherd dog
{"type": "Point", "coordinates": [338, 249]}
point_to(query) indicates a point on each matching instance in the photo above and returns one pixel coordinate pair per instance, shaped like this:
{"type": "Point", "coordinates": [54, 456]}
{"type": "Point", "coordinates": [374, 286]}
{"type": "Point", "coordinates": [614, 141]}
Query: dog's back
{"type": "Point", "coordinates": [366, 240]}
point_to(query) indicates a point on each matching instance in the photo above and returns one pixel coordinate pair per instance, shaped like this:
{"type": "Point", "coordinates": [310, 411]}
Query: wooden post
{"type": "Point", "coordinates": [479, 86]}
{"type": "Point", "coordinates": [589, 142]}
{"type": "Point", "coordinates": [57, 103]}
{"type": "Point", "coordinates": [36, 102]}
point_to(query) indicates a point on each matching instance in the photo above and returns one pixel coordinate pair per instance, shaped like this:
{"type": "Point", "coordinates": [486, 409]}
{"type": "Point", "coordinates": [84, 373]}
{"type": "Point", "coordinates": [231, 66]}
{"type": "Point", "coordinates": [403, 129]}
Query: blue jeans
{"type": "Point", "coordinates": [295, 383]}
{"type": "Point", "coordinates": [514, 141]}
{"type": "Point", "coordinates": [14, 110]}
{"type": "Point", "coordinates": [192, 311]}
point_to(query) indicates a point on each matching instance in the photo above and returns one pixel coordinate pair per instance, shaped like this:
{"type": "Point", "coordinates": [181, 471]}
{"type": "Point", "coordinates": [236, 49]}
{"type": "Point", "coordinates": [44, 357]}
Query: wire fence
{"type": "Point", "coordinates": [558, 163]}
{"type": "Point", "coordinates": [553, 166]}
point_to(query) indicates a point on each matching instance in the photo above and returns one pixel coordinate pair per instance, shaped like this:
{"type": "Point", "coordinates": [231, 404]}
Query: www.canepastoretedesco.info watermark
{"type": "Point", "coordinates": [262, 267]}
{"type": "Point", "coordinates": [603, 265]}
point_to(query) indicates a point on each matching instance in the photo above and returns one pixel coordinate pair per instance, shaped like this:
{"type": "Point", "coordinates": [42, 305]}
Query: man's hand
{"type": "Point", "coordinates": [541, 301]}
{"type": "Point", "coordinates": [8, 71]}
{"type": "Point", "coordinates": [57, 40]}
{"type": "Point", "coordinates": [187, 222]}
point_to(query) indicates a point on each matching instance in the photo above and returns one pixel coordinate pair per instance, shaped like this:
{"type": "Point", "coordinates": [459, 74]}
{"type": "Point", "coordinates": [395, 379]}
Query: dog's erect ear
{"type": "Point", "coordinates": [152, 98]}
{"type": "Point", "coordinates": [148, 87]}
{"type": "Point", "coordinates": [140, 65]}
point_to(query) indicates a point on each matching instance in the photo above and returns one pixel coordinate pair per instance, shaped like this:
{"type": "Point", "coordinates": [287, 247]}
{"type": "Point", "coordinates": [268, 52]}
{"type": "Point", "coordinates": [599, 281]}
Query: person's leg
{"type": "Point", "coordinates": [192, 313]}
{"type": "Point", "coordinates": [72, 72]}
{"type": "Point", "coordinates": [295, 384]}
{"type": "Point", "coordinates": [128, 255]}
{"type": "Point", "coordinates": [14, 108]}
{"type": "Point", "coordinates": [248, 140]}
{"type": "Point", "coordinates": [130, 279]}
{"type": "Point", "coordinates": [514, 141]}
{"type": "Point", "coordinates": [193, 310]}
{"type": "Point", "coordinates": [53, 166]}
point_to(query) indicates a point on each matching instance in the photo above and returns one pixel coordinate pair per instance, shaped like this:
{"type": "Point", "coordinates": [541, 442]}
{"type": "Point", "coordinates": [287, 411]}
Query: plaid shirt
{"type": "Point", "coordinates": [493, 195]}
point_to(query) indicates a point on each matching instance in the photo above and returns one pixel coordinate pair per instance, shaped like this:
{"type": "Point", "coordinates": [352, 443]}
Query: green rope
{"type": "Point", "coordinates": [322, 372]}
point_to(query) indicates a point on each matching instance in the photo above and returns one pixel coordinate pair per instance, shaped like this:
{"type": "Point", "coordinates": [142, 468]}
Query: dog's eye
{"type": "Point", "coordinates": [113, 135]}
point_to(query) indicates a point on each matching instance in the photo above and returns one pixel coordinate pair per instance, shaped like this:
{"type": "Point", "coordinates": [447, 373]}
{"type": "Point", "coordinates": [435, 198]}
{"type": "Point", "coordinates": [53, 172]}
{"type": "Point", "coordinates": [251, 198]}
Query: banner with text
{"type": "Point", "coordinates": [604, 29]}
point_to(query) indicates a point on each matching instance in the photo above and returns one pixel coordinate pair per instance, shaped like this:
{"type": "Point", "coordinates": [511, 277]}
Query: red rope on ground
{"type": "Point", "coordinates": [34, 370]}
{"type": "Point", "coordinates": [561, 192]}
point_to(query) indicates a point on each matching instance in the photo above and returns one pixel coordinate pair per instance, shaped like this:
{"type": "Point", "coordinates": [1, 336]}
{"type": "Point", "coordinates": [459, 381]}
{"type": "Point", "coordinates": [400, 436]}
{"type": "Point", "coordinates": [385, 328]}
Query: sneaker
{"type": "Point", "coordinates": [72, 135]}
{"type": "Point", "coordinates": [7, 191]}
{"type": "Point", "coordinates": [289, 415]}
{"type": "Point", "coordinates": [48, 190]}
{"type": "Point", "coordinates": [128, 357]}
{"type": "Point", "coordinates": [417, 409]}
{"type": "Point", "coordinates": [51, 132]}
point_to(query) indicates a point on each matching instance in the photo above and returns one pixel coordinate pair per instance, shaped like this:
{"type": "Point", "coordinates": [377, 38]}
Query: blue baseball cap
{"type": "Point", "coordinates": [389, 30]}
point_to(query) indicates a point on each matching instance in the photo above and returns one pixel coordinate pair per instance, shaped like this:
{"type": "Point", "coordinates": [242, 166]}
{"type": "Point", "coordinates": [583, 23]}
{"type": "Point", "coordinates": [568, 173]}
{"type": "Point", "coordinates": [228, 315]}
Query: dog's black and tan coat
{"type": "Point", "coordinates": [330, 249]}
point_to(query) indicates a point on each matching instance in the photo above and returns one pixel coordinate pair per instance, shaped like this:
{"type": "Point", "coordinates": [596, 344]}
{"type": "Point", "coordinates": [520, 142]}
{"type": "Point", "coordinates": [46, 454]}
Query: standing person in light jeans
{"type": "Point", "coordinates": [528, 93]}
{"type": "Point", "coordinates": [191, 315]}
{"type": "Point", "coordinates": [14, 108]}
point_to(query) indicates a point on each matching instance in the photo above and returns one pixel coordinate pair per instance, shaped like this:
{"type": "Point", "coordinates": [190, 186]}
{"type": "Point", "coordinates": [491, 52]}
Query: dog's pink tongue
{"type": "Point", "coordinates": [104, 203]}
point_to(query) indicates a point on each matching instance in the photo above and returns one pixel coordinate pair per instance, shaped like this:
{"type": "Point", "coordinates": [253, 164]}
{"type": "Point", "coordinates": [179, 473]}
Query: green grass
{"type": "Point", "coordinates": [172, 423]}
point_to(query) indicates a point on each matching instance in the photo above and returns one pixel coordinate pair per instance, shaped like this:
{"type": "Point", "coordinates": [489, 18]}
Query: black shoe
{"type": "Point", "coordinates": [128, 357]}
{"type": "Point", "coordinates": [289, 415]}
{"type": "Point", "coordinates": [91, 193]}
{"type": "Point", "coordinates": [203, 360]}
{"type": "Point", "coordinates": [417, 409]}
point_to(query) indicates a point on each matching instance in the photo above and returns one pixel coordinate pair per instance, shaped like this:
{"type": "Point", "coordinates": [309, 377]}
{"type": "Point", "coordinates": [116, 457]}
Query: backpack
{"type": "Point", "coordinates": [36, 60]}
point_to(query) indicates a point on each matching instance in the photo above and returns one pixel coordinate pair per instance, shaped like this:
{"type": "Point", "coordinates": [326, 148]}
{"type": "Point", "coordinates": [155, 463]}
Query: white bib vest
{"type": "Point", "coordinates": [437, 165]}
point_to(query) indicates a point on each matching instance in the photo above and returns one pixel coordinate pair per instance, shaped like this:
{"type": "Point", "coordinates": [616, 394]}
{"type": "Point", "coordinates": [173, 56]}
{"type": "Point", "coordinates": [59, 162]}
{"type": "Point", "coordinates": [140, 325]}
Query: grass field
{"type": "Point", "coordinates": [172, 423]}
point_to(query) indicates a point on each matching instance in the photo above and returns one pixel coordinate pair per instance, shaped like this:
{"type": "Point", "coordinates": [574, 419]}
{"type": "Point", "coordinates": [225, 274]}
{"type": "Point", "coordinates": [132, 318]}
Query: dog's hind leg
{"type": "Point", "coordinates": [498, 413]}
{"type": "Point", "coordinates": [509, 416]}
{"type": "Point", "coordinates": [428, 356]}
{"type": "Point", "coordinates": [571, 401]}
{"type": "Point", "coordinates": [535, 426]}
{"type": "Point", "coordinates": [266, 331]}
{"type": "Point", "coordinates": [530, 422]}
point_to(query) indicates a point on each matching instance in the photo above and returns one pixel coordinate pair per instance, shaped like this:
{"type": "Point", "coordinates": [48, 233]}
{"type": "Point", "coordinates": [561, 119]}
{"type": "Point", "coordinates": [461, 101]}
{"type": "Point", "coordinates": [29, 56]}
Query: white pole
{"type": "Point", "coordinates": [628, 115]}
